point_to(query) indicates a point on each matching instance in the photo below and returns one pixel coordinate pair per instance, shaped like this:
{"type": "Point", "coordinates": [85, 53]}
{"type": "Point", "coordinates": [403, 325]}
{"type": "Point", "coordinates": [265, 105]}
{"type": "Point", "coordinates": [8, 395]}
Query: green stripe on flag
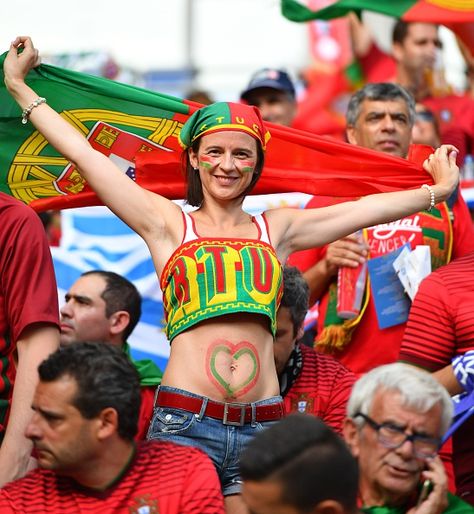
{"type": "Point", "coordinates": [295, 11]}
{"type": "Point", "coordinates": [30, 169]}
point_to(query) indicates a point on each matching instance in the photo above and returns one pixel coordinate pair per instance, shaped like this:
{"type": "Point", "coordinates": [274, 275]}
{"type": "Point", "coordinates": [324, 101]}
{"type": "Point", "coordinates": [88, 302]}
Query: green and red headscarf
{"type": "Point", "coordinates": [224, 116]}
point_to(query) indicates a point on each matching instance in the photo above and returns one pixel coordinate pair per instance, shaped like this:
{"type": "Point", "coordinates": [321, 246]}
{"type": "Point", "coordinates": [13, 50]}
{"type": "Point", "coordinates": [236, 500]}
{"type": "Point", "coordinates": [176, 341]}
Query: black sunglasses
{"type": "Point", "coordinates": [391, 436]}
{"type": "Point", "coordinates": [424, 116]}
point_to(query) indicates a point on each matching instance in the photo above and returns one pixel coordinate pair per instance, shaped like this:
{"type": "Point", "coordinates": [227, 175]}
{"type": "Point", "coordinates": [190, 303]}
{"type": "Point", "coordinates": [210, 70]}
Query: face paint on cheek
{"type": "Point", "coordinates": [206, 162]}
{"type": "Point", "coordinates": [247, 166]}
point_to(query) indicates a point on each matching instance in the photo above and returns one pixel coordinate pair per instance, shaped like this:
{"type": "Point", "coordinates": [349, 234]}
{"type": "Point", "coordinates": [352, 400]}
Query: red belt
{"type": "Point", "coordinates": [236, 414]}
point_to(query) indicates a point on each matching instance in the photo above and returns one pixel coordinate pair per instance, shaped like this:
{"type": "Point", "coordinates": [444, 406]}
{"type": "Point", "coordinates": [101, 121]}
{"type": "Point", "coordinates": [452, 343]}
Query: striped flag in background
{"type": "Point", "coordinates": [94, 238]}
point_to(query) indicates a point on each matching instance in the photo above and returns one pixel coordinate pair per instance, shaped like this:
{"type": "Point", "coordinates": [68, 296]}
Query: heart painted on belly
{"type": "Point", "coordinates": [244, 353]}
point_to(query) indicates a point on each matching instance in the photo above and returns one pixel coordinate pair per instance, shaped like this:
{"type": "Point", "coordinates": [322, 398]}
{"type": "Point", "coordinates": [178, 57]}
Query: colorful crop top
{"type": "Point", "coordinates": [206, 278]}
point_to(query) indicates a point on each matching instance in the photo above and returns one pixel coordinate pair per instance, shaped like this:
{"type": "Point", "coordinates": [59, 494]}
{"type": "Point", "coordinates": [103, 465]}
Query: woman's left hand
{"type": "Point", "coordinates": [441, 165]}
{"type": "Point", "coordinates": [17, 64]}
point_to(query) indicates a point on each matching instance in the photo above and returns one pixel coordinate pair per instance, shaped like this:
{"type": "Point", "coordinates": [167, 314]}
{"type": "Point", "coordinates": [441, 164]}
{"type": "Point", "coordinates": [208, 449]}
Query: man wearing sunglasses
{"type": "Point", "coordinates": [396, 417]}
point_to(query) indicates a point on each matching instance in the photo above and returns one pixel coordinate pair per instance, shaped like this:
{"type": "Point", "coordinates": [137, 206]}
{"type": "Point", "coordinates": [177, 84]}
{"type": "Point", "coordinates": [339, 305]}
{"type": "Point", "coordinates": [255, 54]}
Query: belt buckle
{"type": "Point", "coordinates": [241, 421]}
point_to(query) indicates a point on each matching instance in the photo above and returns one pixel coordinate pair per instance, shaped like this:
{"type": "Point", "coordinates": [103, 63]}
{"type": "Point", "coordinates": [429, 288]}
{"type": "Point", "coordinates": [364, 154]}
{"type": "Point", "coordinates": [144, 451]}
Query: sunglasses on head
{"type": "Point", "coordinates": [424, 116]}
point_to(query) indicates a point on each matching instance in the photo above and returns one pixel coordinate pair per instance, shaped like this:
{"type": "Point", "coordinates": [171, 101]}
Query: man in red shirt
{"type": "Point", "coordinates": [86, 410]}
{"type": "Point", "coordinates": [299, 466]}
{"type": "Point", "coordinates": [28, 326]}
{"type": "Point", "coordinates": [104, 307]}
{"type": "Point", "coordinates": [380, 117]}
{"type": "Point", "coordinates": [309, 381]}
{"type": "Point", "coordinates": [416, 65]}
{"type": "Point", "coordinates": [440, 327]}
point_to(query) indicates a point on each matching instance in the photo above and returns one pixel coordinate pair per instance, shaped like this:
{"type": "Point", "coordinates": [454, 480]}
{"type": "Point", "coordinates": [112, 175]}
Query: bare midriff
{"type": "Point", "coordinates": [227, 359]}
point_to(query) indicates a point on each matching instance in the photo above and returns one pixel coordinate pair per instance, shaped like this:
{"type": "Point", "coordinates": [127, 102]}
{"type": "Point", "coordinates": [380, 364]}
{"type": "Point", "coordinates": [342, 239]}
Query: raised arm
{"type": "Point", "coordinates": [141, 210]}
{"type": "Point", "coordinates": [300, 229]}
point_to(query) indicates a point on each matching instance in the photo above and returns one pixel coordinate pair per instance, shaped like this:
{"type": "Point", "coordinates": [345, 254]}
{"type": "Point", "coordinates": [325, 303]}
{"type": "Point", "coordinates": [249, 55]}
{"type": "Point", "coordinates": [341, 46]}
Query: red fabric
{"type": "Point", "coordinates": [441, 326]}
{"type": "Point", "coordinates": [147, 395]}
{"type": "Point", "coordinates": [28, 292]}
{"type": "Point", "coordinates": [295, 161]}
{"type": "Point", "coordinates": [299, 161]}
{"type": "Point", "coordinates": [440, 11]}
{"type": "Point", "coordinates": [370, 346]}
{"type": "Point", "coordinates": [168, 478]}
{"type": "Point", "coordinates": [322, 388]}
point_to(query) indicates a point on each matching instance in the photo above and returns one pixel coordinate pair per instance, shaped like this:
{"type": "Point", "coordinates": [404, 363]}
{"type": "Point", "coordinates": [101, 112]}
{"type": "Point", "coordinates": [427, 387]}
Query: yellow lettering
{"type": "Point", "coordinates": [193, 303]}
{"type": "Point", "coordinates": [219, 119]}
{"type": "Point", "coordinates": [240, 120]}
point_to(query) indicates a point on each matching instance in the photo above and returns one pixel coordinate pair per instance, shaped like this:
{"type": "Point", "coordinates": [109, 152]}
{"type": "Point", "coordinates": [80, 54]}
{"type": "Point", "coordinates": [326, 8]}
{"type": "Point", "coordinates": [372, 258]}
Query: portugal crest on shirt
{"type": "Point", "coordinates": [144, 505]}
{"type": "Point", "coordinates": [302, 403]}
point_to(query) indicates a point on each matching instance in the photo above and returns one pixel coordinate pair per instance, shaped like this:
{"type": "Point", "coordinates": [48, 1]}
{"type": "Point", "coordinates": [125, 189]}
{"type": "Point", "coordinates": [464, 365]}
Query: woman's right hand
{"type": "Point", "coordinates": [17, 65]}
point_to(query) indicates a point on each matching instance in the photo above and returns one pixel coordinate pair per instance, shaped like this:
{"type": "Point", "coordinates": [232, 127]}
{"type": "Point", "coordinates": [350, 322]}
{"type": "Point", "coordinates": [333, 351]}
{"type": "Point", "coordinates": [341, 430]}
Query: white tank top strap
{"type": "Point", "coordinates": [261, 221]}
{"type": "Point", "coordinates": [189, 229]}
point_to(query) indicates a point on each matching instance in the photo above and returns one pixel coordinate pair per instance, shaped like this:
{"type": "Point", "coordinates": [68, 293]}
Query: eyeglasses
{"type": "Point", "coordinates": [391, 436]}
{"type": "Point", "coordinates": [424, 116]}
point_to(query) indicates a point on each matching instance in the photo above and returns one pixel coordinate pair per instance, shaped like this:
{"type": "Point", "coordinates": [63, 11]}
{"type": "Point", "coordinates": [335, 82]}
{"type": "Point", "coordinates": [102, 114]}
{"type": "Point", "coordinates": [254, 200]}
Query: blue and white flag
{"type": "Point", "coordinates": [94, 238]}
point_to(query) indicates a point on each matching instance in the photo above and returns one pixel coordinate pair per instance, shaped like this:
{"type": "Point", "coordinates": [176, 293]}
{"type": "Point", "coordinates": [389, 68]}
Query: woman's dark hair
{"type": "Point", "coordinates": [194, 195]}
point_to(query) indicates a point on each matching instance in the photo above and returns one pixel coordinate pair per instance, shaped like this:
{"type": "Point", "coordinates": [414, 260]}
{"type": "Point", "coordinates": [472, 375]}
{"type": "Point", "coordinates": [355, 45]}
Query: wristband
{"type": "Point", "coordinates": [27, 111]}
{"type": "Point", "coordinates": [432, 195]}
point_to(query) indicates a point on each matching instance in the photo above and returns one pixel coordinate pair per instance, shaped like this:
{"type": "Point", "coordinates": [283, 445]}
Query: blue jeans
{"type": "Point", "coordinates": [223, 443]}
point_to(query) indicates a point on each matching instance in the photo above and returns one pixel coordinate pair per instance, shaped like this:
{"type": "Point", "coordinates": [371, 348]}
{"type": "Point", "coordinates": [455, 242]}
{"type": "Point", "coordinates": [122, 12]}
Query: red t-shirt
{"type": "Point", "coordinates": [147, 394]}
{"type": "Point", "coordinates": [371, 346]}
{"type": "Point", "coordinates": [441, 326]}
{"type": "Point", "coordinates": [28, 292]}
{"type": "Point", "coordinates": [165, 477]}
{"type": "Point", "coordinates": [456, 121]}
{"type": "Point", "coordinates": [322, 388]}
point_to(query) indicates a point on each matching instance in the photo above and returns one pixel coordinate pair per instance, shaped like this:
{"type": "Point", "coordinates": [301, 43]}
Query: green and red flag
{"type": "Point", "coordinates": [138, 130]}
{"type": "Point", "coordinates": [455, 14]}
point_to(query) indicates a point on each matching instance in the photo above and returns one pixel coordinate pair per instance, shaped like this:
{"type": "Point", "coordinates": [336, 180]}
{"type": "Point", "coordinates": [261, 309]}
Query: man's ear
{"type": "Point", "coordinates": [107, 423]}
{"type": "Point", "coordinates": [397, 51]}
{"type": "Point", "coordinates": [350, 133]}
{"type": "Point", "coordinates": [351, 436]}
{"type": "Point", "coordinates": [300, 332]}
{"type": "Point", "coordinates": [119, 322]}
{"type": "Point", "coordinates": [329, 507]}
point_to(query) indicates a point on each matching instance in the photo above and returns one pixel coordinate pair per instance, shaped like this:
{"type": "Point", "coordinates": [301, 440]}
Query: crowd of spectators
{"type": "Point", "coordinates": [246, 417]}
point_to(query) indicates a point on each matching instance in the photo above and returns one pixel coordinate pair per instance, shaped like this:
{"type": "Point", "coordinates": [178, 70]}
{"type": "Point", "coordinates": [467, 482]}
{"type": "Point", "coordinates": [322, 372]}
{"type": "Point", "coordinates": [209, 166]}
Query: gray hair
{"type": "Point", "coordinates": [295, 296]}
{"type": "Point", "coordinates": [381, 91]}
{"type": "Point", "coordinates": [418, 390]}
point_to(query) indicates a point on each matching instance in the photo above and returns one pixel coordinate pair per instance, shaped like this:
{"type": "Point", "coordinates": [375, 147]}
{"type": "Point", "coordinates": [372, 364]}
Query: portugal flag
{"type": "Point", "coordinates": [138, 130]}
{"type": "Point", "coordinates": [458, 15]}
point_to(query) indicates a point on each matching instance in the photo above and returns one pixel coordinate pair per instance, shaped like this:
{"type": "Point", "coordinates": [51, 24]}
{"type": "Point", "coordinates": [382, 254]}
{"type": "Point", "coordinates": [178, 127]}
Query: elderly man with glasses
{"type": "Point", "coordinates": [396, 417]}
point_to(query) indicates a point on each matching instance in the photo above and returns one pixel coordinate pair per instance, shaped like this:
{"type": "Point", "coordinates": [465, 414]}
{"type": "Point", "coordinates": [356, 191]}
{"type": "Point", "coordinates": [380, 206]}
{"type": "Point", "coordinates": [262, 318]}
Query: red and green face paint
{"type": "Point", "coordinates": [243, 165]}
{"type": "Point", "coordinates": [206, 162]}
{"type": "Point", "coordinates": [246, 165]}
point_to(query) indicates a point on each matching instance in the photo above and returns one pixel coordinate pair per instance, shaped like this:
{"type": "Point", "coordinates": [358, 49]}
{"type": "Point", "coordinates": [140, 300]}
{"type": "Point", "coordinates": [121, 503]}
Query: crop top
{"type": "Point", "coordinates": [205, 278]}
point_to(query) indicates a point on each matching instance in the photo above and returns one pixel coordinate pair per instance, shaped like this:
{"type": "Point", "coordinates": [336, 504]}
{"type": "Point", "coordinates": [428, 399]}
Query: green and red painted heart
{"type": "Point", "coordinates": [242, 350]}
